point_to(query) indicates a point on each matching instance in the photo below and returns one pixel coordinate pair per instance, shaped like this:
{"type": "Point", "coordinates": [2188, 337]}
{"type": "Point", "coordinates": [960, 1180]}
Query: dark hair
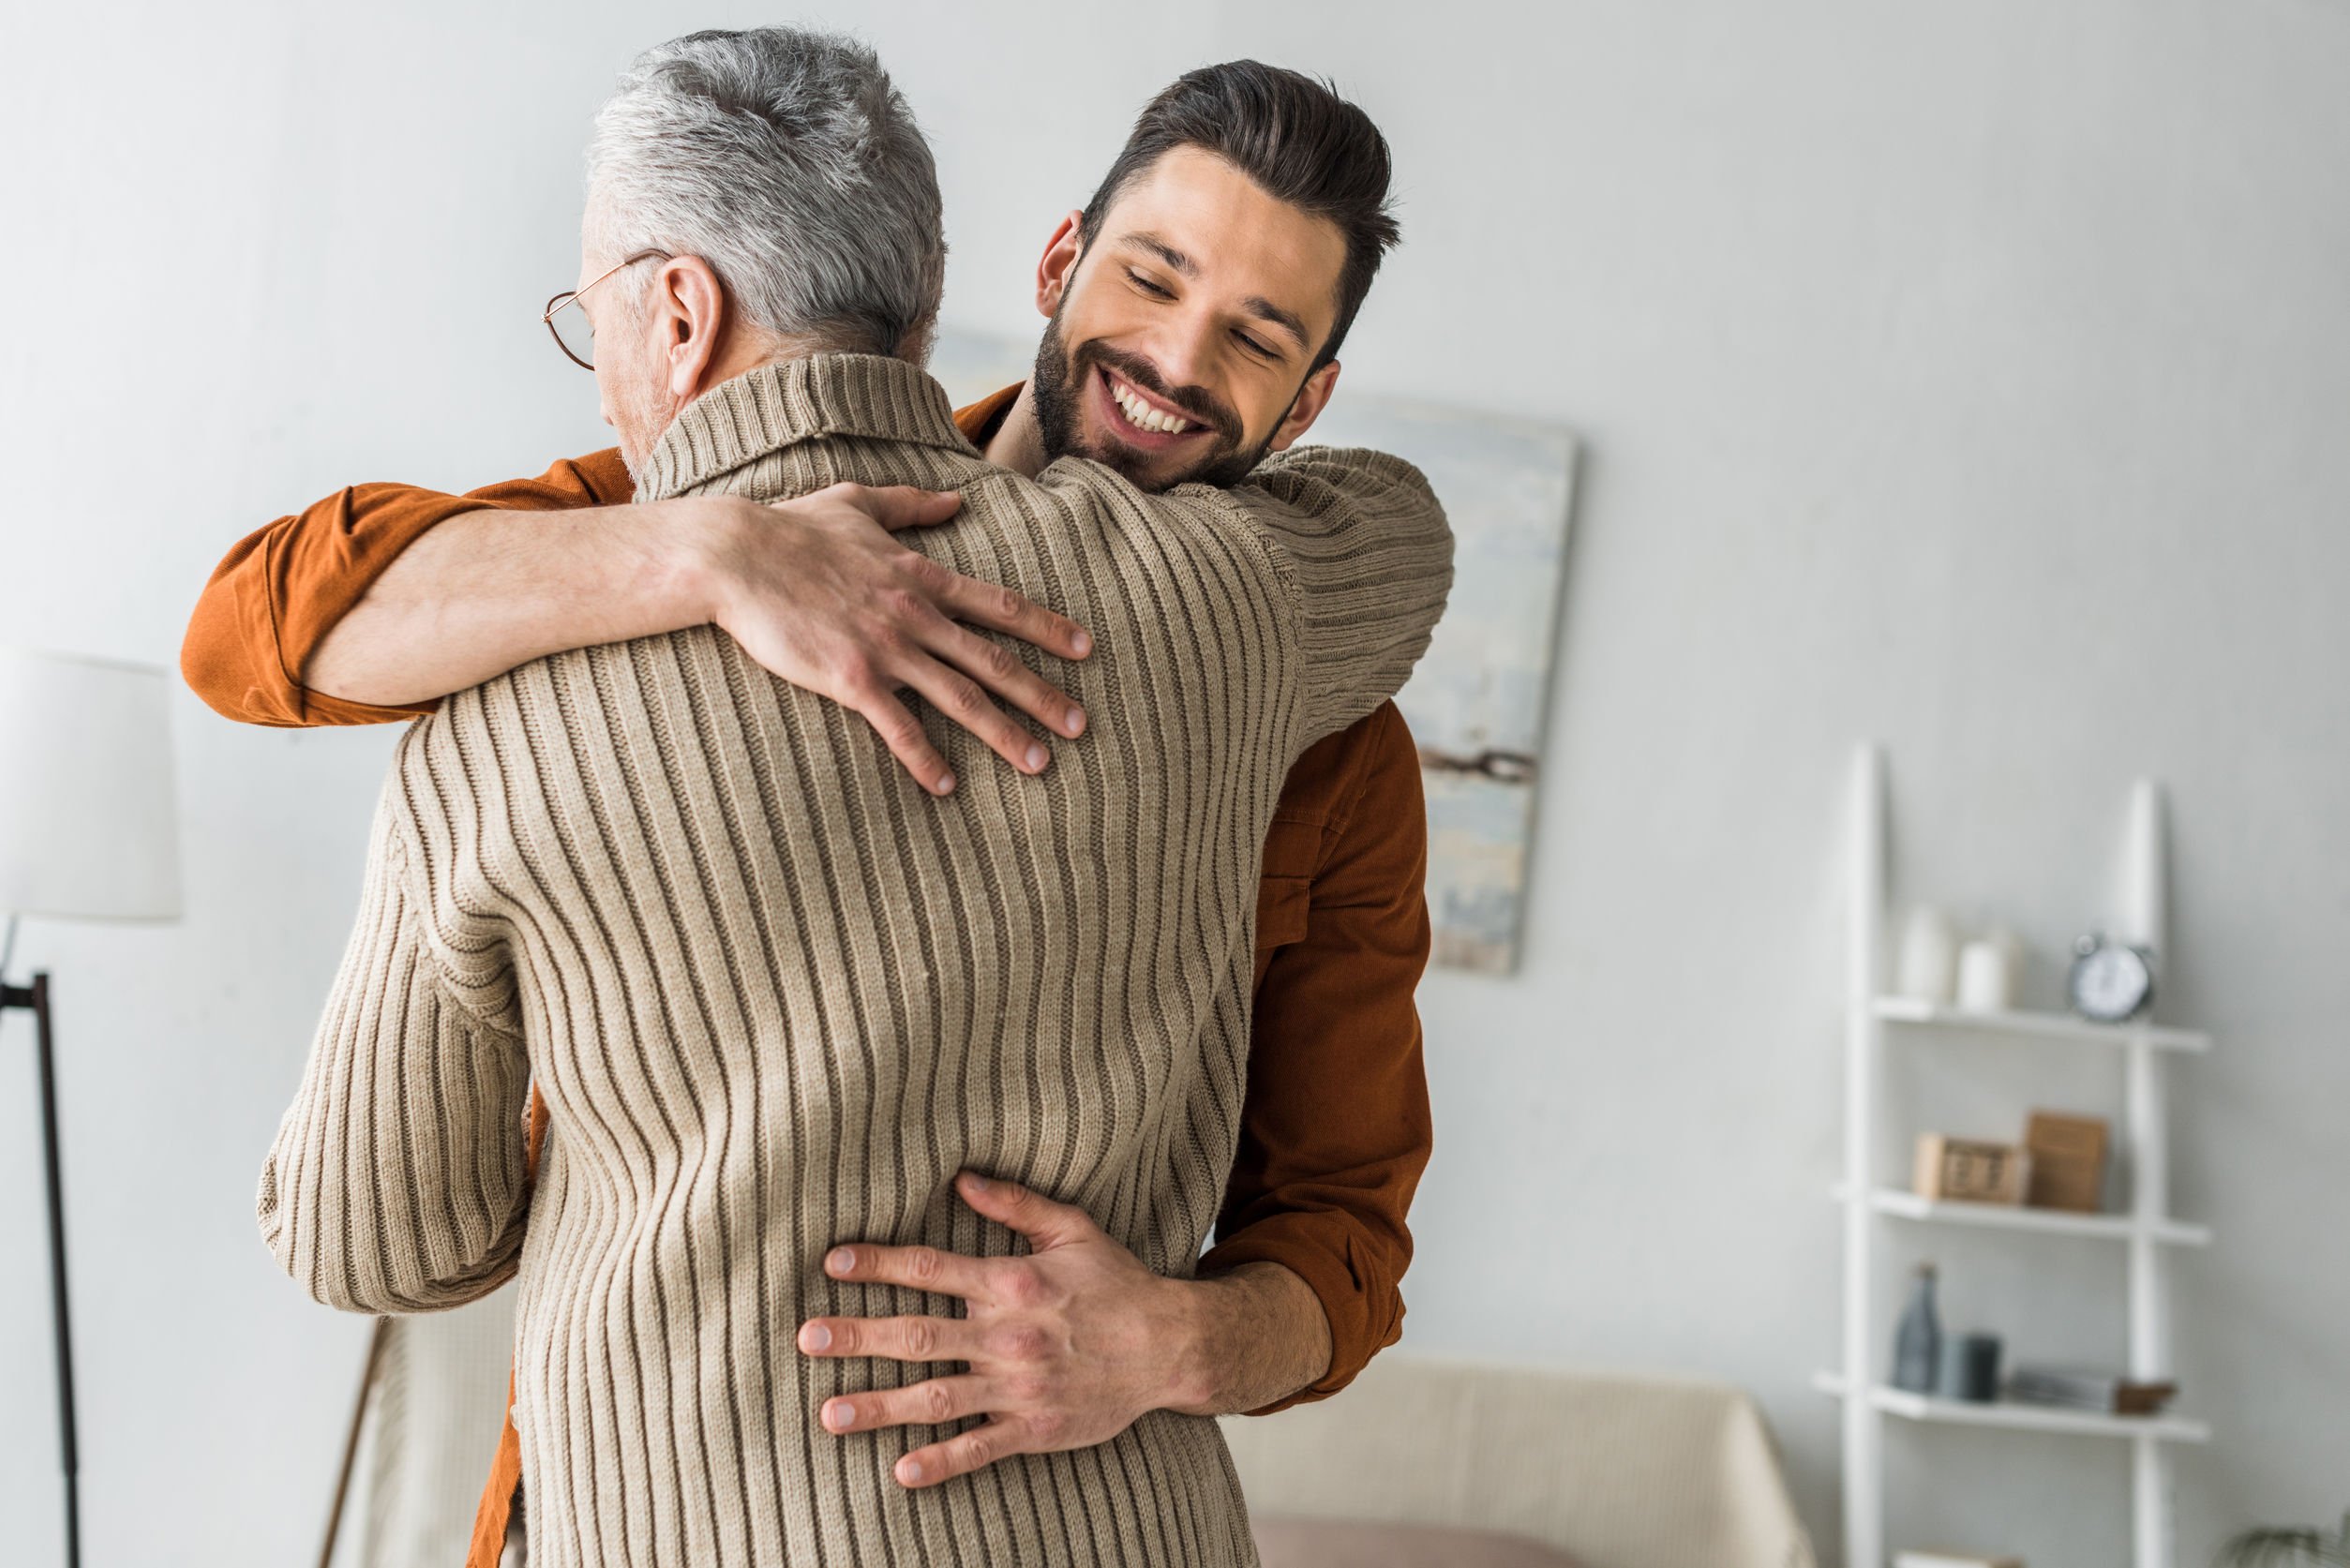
{"type": "Point", "coordinates": [1291, 134]}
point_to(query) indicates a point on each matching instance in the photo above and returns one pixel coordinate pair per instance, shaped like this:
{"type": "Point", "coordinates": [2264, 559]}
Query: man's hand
{"type": "Point", "coordinates": [1067, 1347]}
{"type": "Point", "coordinates": [818, 592]}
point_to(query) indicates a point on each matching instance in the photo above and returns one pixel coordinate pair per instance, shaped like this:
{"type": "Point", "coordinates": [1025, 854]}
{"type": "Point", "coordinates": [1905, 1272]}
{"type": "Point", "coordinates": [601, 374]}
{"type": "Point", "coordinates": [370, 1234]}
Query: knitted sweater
{"type": "Point", "coordinates": [777, 995]}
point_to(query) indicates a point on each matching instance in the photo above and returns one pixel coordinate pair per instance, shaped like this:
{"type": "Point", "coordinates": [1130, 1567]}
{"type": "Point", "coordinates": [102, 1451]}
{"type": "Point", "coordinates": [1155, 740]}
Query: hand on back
{"type": "Point", "coordinates": [821, 594]}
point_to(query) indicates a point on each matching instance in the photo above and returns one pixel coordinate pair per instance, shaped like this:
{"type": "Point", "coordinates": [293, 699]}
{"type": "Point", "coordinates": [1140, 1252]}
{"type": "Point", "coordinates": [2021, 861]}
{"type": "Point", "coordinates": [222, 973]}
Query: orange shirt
{"type": "Point", "coordinates": [1335, 1125]}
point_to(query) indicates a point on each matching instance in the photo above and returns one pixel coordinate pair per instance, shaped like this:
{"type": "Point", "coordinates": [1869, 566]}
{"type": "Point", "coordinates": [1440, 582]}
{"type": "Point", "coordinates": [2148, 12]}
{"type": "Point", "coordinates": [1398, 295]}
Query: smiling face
{"type": "Point", "coordinates": [1184, 334]}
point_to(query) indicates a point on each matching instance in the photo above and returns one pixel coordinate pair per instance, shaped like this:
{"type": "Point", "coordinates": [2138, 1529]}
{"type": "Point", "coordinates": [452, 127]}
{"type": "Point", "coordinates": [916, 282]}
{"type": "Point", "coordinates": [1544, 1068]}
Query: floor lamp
{"type": "Point", "coordinates": [88, 832]}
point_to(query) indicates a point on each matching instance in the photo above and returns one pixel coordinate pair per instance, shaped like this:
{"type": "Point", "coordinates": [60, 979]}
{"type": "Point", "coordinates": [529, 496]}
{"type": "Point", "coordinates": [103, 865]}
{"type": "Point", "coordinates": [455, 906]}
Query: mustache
{"type": "Point", "coordinates": [1196, 402]}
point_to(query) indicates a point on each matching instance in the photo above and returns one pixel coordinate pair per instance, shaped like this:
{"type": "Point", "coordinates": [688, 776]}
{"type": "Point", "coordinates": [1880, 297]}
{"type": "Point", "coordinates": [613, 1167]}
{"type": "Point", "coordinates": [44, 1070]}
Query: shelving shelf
{"type": "Point", "coordinates": [2040, 1025]}
{"type": "Point", "coordinates": [2019, 1417]}
{"type": "Point", "coordinates": [1874, 1022]}
{"type": "Point", "coordinates": [2008, 1216]}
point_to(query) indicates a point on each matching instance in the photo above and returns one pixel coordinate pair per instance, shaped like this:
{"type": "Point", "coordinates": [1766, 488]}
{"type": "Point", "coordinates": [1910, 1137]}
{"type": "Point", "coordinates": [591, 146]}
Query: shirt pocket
{"type": "Point", "coordinates": [1283, 904]}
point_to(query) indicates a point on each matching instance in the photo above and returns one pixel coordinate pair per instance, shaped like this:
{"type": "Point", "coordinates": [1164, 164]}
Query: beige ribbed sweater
{"type": "Point", "coordinates": [777, 995]}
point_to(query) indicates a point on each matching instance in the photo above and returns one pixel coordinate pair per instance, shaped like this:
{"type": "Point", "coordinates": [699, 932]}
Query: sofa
{"type": "Point", "coordinates": [1428, 1460]}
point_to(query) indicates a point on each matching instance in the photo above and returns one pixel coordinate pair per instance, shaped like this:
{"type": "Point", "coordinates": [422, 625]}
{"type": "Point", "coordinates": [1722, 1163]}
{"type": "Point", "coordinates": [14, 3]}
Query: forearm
{"type": "Point", "coordinates": [489, 589]}
{"type": "Point", "coordinates": [1257, 1333]}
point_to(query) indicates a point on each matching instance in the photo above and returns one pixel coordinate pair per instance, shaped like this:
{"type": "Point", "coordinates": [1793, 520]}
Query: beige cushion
{"type": "Point", "coordinates": [1290, 1543]}
{"type": "Point", "coordinates": [1627, 1471]}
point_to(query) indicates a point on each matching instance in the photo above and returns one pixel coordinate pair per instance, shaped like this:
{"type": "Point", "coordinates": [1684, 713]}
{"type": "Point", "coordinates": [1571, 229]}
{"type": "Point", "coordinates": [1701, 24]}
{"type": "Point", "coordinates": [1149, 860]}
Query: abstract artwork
{"type": "Point", "coordinates": [1477, 701]}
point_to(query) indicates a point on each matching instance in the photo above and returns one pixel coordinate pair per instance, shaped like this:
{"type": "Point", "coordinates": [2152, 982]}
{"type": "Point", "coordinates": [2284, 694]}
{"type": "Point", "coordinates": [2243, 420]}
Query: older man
{"type": "Point", "coordinates": [775, 994]}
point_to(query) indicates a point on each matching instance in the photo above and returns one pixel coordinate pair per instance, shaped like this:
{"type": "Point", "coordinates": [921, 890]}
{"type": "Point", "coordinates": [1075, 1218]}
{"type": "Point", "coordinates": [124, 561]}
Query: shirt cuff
{"type": "Point", "coordinates": [1319, 1249]}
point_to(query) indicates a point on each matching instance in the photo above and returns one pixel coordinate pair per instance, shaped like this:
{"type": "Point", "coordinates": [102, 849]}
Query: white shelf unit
{"type": "Point", "coordinates": [1902, 1205]}
{"type": "Point", "coordinates": [2148, 1230]}
{"type": "Point", "coordinates": [2040, 1026]}
{"type": "Point", "coordinates": [2020, 1418]}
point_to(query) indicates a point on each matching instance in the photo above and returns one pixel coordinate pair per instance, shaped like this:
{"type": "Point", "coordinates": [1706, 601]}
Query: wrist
{"type": "Point", "coordinates": [1253, 1334]}
{"type": "Point", "coordinates": [1192, 1382]}
{"type": "Point", "coordinates": [703, 543]}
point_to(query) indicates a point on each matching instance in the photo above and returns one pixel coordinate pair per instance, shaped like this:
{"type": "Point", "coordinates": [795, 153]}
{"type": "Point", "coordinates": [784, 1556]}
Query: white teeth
{"type": "Point", "coordinates": [1144, 415]}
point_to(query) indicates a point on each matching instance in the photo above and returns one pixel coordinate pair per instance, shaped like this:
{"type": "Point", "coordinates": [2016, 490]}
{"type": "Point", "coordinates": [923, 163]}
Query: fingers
{"type": "Point", "coordinates": [921, 1268]}
{"type": "Point", "coordinates": [932, 1403]}
{"type": "Point", "coordinates": [903, 734]}
{"type": "Point", "coordinates": [976, 1449]}
{"type": "Point", "coordinates": [893, 506]}
{"type": "Point", "coordinates": [1045, 1222]}
{"type": "Point", "coordinates": [861, 618]}
{"type": "Point", "coordinates": [997, 668]}
{"type": "Point", "coordinates": [958, 697]}
{"type": "Point", "coordinates": [1000, 609]}
{"type": "Point", "coordinates": [895, 1339]}
{"type": "Point", "coordinates": [924, 1404]}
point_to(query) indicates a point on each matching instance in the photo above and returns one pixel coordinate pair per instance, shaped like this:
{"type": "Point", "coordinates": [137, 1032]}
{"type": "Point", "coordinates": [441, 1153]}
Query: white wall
{"type": "Point", "coordinates": [1974, 376]}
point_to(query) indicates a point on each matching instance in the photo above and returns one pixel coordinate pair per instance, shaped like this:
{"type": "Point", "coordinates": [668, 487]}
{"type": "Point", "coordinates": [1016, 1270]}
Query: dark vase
{"type": "Point", "coordinates": [1918, 1339]}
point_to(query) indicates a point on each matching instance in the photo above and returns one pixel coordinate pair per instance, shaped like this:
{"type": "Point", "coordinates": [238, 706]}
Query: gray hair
{"type": "Point", "coordinates": [785, 159]}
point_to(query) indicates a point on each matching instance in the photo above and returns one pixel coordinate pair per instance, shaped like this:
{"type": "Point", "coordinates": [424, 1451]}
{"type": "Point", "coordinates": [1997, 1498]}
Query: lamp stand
{"type": "Point", "coordinates": [36, 998]}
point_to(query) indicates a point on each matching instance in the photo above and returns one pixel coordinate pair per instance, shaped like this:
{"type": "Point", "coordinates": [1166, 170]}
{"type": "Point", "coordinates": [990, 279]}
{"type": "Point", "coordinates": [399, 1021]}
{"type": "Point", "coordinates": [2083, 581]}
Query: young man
{"type": "Point", "coordinates": [1183, 346]}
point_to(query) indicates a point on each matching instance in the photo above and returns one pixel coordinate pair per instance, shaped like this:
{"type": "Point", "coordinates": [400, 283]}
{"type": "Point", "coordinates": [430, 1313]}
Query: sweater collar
{"type": "Point", "coordinates": [774, 406]}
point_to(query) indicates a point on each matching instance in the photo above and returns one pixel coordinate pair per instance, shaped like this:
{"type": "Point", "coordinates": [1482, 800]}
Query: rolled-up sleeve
{"type": "Point", "coordinates": [1335, 1129]}
{"type": "Point", "coordinates": [281, 589]}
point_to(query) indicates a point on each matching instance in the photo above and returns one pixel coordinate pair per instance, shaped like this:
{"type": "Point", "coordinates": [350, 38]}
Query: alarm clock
{"type": "Point", "coordinates": [2110, 982]}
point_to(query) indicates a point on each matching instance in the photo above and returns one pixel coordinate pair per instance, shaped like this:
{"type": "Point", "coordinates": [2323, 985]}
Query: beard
{"type": "Point", "coordinates": [1058, 384]}
{"type": "Point", "coordinates": [632, 388]}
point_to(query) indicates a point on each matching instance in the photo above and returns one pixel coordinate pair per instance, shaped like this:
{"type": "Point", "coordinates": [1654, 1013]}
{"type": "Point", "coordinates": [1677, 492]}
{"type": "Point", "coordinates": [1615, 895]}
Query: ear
{"type": "Point", "coordinates": [1312, 399]}
{"type": "Point", "coordinates": [1058, 265]}
{"type": "Point", "coordinates": [687, 306]}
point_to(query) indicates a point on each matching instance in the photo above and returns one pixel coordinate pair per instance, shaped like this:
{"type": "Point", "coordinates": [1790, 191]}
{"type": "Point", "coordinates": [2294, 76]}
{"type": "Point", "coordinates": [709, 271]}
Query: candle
{"type": "Point", "coordinates": [1929, 956]}
{"type": "Point", "coordinates": [1987, 972]}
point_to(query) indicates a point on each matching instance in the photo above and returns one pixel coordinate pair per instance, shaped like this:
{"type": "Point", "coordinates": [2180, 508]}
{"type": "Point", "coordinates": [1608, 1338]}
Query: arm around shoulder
{"type": "Point", "coordinates": [281, 593]}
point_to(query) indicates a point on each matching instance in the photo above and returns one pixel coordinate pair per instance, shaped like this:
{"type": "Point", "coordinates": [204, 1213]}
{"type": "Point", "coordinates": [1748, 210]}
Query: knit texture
{"type": "Point", "coordinates": [777, 995]}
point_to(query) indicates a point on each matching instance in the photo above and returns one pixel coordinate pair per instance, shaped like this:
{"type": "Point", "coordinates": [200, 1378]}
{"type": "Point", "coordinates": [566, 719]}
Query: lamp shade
{"type": "Point", "coordinates": [89, 825]}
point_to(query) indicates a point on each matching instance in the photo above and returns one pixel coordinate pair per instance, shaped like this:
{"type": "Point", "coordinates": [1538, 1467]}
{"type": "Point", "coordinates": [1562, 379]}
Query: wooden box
{"type": "Point", "coordinates": [2068, 1161]}
{"type": "Point", "coordinates": [1970, 1170]}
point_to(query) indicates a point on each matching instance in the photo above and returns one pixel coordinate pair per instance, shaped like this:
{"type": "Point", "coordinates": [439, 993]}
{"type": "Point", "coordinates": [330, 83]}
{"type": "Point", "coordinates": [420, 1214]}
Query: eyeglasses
{"type": "Point", "coordinates": [572, 333]}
